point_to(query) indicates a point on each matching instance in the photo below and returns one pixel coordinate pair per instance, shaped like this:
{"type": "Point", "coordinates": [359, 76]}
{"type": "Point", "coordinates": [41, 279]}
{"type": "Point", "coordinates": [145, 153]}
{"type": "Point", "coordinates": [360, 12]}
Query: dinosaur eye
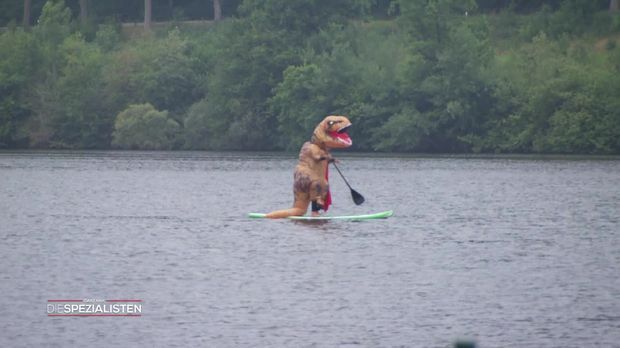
{"type": "Point", "coordinates": [331, 123]}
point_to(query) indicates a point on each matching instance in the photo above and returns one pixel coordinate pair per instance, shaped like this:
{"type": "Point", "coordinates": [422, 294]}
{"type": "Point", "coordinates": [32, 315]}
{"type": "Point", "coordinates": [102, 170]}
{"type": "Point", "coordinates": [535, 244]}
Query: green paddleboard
{"type": "Point", "coordinates": [381, 215]}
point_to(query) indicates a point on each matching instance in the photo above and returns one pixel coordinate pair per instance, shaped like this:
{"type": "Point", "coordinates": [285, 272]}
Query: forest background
{"type": "Point", "coordinates": [436, 76]}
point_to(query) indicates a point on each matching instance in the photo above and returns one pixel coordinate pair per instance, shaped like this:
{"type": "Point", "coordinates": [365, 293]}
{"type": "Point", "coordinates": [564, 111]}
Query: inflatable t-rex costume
{"type": "Point", "coordinates": [311, 173]}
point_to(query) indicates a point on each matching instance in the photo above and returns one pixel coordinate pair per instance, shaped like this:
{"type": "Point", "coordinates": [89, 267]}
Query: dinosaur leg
{"type": "Point", "coordinates": [318, 194]}
{"type": "Point", "coordinates": [299, 208]}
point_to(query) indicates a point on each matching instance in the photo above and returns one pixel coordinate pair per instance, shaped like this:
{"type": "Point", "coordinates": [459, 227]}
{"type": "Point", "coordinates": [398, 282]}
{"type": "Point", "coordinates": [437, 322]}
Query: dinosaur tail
{"type": "Point", "coordinates": [278, 214]}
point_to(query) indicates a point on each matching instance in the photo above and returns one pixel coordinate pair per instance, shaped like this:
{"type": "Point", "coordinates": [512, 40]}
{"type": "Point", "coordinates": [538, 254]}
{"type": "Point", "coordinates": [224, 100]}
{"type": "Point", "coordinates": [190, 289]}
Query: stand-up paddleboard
{"type": "Point", "coordinates": [381, 215]}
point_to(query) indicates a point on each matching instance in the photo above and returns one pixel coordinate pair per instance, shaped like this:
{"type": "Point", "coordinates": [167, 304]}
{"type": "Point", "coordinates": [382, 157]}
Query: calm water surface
{"type": "Point", "coordinates": [510, 252]}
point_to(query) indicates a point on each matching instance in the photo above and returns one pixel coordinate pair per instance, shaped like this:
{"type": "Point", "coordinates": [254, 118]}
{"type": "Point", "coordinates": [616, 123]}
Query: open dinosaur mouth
{"type": "Point", "coordinates": [342, 136]}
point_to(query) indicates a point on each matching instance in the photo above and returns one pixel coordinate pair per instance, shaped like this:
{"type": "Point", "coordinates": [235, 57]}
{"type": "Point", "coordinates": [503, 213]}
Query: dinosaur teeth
{"type": "Point", "coordinates": [346, 141]}
{"type": "Point", "coordinates": [343, 138]}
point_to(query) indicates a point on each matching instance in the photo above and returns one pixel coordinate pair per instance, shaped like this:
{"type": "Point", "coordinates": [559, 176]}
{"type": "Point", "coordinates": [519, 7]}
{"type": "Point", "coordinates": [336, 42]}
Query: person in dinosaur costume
{"type": "Point", "coordinates": [311, 184]}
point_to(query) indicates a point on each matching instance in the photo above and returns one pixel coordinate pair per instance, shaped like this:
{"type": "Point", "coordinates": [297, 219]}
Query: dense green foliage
{"type": "Point", "coordinates": [426, 76]}
{"type": "Point", "coordinates": [143, 127]}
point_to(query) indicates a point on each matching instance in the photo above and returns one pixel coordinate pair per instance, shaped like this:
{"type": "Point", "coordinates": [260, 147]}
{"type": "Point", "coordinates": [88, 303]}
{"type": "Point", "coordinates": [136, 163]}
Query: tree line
{"type": "Point", "coordinates": [413, 76]}
{"type": "Point", "coordinates": [91, 12]}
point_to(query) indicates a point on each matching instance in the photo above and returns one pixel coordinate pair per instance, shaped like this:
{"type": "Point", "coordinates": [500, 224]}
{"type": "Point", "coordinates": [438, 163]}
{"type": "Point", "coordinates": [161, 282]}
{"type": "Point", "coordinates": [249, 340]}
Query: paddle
{"type": "Point", "coordinates": [357, 197]}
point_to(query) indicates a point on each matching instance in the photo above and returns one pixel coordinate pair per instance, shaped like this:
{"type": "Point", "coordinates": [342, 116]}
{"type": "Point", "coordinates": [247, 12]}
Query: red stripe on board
{"type": "Point", "coordinates": [65, 300]}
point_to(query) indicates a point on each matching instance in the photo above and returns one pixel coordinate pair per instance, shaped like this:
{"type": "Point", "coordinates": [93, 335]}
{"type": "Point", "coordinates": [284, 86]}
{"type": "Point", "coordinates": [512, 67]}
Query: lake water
{"type": "Point", "coordinates": [509, 252]}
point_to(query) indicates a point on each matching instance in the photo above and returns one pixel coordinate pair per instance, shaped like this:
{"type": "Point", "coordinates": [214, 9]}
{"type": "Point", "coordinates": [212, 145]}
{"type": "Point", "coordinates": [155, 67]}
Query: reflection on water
{"type": "Point", "coordinates": [507, 251]}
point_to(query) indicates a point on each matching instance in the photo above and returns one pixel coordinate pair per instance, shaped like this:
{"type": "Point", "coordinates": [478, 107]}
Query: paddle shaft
{"type": "Point", "coordinates": [343, 178]}
{"type": "Point", "coordinates": [357, 197]}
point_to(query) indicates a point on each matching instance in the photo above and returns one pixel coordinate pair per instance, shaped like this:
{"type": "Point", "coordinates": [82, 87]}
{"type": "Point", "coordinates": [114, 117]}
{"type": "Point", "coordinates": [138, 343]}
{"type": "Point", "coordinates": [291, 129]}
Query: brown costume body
{"type": "Point", "coordinates": [310, 183]}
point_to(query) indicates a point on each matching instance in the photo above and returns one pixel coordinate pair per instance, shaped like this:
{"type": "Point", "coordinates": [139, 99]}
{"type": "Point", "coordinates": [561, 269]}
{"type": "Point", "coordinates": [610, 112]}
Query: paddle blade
{"type": "Point", "coordinates": [357, 198]}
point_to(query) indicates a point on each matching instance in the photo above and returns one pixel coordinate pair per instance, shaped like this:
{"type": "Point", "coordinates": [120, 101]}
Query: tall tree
{"type": "Point", "coordinates": [147, 15]}
{"type": "Point", "coordinates": [217, 10]}
{"type": "Point", "coordinates": [26, 20]}
{"type": "Point", "coordinates": [83, 11]}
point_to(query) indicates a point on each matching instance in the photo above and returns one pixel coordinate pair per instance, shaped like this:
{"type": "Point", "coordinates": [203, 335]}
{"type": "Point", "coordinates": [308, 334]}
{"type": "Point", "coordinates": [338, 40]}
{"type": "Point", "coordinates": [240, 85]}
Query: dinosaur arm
{"type": "Point", "coordinates": [327, 157]}
{"type": "Point", "coordinates": [319, 154]}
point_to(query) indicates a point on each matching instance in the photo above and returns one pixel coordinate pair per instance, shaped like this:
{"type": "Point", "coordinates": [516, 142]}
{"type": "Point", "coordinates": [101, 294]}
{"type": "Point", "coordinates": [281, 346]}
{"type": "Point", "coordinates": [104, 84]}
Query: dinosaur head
{"type": "Point", "coordinates": [332, 132]}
